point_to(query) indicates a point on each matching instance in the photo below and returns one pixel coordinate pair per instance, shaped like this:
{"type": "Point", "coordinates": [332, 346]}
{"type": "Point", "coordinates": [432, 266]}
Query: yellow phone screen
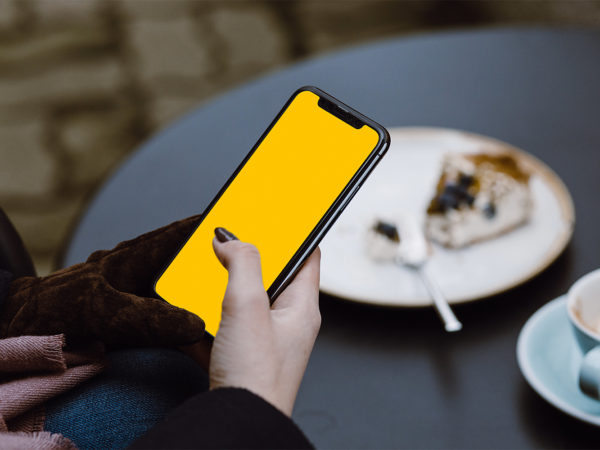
{"type": "Point", "coordinates": [275, 201]}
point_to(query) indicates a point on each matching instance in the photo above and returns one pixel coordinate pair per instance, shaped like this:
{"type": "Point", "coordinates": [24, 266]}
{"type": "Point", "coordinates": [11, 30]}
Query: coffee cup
{"type": "Point", "coordinates": [583, 305]}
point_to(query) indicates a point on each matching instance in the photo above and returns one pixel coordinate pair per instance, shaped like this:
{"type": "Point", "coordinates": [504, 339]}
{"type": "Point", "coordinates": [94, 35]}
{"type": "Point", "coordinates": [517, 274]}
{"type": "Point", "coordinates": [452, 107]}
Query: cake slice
{"type": "Point", "coordinates": [478, 196]}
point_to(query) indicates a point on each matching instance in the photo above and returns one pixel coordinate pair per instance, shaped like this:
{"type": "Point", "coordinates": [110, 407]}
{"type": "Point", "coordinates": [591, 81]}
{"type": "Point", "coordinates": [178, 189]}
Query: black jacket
{"type": "Point", "coordinates": [224, 418]}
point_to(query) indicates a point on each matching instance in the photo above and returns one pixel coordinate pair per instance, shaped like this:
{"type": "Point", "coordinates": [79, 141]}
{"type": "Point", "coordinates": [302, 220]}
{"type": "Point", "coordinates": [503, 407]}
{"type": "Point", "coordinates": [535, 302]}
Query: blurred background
{"type": "Point", "coordinates": [84, 82]}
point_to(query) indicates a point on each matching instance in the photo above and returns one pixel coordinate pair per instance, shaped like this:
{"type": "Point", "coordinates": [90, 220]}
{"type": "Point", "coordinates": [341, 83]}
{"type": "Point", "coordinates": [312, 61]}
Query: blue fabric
{"type": "Point", "coordinates": [132, 395]}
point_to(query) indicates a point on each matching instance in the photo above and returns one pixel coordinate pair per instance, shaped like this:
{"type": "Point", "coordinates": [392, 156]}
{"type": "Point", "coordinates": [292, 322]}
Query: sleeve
{"type": "Point", "coordinates": [229, 418]}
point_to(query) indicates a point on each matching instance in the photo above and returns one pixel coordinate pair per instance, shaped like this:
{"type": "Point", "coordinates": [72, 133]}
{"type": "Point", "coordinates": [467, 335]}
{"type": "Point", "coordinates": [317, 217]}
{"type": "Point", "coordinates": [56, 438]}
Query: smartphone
{"type": "Point", "coordinates": [283, 198]}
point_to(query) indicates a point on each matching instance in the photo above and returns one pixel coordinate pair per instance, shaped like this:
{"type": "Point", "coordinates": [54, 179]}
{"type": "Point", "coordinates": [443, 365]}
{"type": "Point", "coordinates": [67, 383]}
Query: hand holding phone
{"type": "Point", "coordinates": [282, 198]}
{"type": "Point", "coordinates": [258, 347]}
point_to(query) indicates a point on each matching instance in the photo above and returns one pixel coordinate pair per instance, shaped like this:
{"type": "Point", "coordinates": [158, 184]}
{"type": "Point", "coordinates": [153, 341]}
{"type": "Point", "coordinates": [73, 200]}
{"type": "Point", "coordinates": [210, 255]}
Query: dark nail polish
{"type": "Point", "coordinates": [224, 235]}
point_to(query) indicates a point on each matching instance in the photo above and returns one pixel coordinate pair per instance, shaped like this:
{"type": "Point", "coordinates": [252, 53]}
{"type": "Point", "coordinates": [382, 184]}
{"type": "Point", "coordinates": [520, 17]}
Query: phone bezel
{"type": "Point", "coordinates": [314, 238]}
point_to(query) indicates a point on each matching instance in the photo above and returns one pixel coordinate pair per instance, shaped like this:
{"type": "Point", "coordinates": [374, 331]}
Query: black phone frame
{"type": "Point", "coordinates": [314, 238]}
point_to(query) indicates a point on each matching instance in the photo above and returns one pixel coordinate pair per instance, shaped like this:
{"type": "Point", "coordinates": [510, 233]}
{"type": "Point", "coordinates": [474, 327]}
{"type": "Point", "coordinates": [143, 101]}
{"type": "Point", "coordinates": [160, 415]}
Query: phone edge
{"type": "Point", "coordinates": [326, 222]}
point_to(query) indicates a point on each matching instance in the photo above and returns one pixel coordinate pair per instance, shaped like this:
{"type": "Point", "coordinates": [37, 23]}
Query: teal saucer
{"type": "Point", "coordinates": [549, 359]}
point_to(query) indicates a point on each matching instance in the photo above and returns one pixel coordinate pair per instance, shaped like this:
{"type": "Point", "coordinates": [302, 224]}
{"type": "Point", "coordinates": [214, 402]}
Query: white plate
{"type": "Point", "coordinates": [549, 359]}
{"type": "Point", "coordinates": [404, 182]}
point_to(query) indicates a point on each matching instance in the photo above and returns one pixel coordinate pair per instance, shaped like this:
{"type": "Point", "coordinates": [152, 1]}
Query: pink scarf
{"type": "Point", "coordinates": [34, 369]}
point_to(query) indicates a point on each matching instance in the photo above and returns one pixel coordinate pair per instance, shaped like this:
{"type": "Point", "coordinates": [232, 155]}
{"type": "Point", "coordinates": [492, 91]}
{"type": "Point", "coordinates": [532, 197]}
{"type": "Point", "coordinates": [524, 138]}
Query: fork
{"type": "Point", "coordinates": [413, 252]}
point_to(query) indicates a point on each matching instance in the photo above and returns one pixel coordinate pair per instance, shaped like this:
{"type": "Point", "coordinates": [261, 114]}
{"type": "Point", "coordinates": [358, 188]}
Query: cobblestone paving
{"type": "Point", "coordinates": [84, 82]}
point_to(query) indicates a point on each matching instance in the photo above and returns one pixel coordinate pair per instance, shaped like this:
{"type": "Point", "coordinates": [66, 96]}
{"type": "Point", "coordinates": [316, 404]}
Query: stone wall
{"type": "Point", "coordinates": [84, 82]}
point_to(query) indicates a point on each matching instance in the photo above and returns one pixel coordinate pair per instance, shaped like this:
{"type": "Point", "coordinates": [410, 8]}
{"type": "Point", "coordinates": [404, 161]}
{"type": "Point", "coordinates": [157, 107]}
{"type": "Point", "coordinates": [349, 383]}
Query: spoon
{"type": "Point", "coordinates": [413, 251]}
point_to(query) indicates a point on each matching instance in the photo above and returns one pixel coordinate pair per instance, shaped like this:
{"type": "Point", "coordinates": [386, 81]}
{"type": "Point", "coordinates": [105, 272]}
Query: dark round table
{"type": "Point", "coordinates": [392, 378]}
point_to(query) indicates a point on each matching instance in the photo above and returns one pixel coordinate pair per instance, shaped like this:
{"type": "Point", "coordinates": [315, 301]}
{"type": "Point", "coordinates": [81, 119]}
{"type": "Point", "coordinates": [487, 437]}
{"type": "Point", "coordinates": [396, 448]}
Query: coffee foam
{"type": "Point", "coordinates": [590, 323]}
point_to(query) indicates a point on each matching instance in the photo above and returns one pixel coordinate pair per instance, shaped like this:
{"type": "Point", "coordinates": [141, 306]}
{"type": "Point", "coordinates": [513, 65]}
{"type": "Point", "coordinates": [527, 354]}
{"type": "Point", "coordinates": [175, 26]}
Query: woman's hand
{"type": "Point", "coordinates": [260, 347]}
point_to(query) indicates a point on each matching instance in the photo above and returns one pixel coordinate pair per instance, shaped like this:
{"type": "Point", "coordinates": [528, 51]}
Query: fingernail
{"type": "Point", "coordinates": [224, 235]}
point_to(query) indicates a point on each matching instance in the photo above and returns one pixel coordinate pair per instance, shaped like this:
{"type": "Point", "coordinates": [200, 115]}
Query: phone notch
{"type": "Point", "coordinates": [340, 113]}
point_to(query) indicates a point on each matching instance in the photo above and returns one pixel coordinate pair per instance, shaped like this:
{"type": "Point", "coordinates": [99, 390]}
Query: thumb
{"type": "Point", "coordinates": [242, 261]}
